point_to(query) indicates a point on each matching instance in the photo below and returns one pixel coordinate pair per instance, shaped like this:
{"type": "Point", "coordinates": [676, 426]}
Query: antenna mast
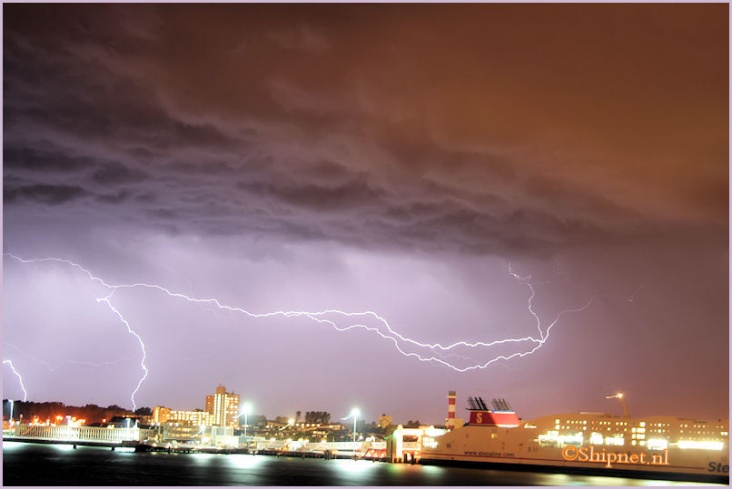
{"type": "Point", "coordinates": [620, 397]}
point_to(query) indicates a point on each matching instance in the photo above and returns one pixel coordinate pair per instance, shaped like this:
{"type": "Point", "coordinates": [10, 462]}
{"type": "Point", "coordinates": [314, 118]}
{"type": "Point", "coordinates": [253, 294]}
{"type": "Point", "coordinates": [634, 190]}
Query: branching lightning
{"type": "Point", "coordinates": [139, 340]}
{"type": "Point", "coordinates": [20, 378]}
{"type": "Point", "coordinates": [431, 352]}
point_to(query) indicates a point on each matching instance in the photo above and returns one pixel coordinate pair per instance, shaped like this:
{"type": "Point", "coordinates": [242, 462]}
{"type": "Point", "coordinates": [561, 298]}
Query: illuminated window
{"type": "Point", "coordinates": [657, 444]}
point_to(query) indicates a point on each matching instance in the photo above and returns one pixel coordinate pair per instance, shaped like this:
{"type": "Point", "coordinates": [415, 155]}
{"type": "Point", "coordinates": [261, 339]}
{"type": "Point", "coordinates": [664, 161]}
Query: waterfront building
{"type": "Point", "coordinates": [655, 432]}
{"type": "Point", "coordinates": [224, 407]}
{"type": "Point", "coordinates": [197, 417]}
{"type": "Point", "coordinates": [161, 414]}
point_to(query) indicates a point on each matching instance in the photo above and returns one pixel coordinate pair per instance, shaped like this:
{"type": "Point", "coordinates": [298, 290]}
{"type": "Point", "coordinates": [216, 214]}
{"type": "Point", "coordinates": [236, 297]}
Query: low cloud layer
{"type": "Point", "coordinates": [431, 137]}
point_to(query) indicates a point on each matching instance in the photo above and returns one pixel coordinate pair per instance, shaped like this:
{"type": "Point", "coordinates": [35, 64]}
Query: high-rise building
{"type": "Point", "coordinates": [224, 407]}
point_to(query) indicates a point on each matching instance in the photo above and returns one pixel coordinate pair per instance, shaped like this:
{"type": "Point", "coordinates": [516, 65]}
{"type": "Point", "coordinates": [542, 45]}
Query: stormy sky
{"type": "Point", "coordinates": [552, 175]}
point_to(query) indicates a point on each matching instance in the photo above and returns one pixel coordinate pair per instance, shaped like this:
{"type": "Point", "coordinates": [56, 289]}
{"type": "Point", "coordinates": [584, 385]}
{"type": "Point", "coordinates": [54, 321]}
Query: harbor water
{"type": "Point", "coordinates": [52, 465]}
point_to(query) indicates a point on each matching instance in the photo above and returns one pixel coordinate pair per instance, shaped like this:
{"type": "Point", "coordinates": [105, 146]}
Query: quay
{"type": "Point", "coordinates": [74, 443]}
{"type": "Point", "coordinates": [394, 450]}
{"type": "Point", "coordinates": [327, 454]}
{"type": "Point", "coordinates": [107, 438]}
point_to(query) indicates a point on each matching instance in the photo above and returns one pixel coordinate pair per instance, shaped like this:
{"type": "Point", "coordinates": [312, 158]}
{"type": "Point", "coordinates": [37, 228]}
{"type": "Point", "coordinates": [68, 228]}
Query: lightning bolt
{"type": "Point", "coordinates": [139, 340]}
{"type": "Point", "coordinates": [384, 330]}
{"type": "Point", "coordinates": [20, 378]}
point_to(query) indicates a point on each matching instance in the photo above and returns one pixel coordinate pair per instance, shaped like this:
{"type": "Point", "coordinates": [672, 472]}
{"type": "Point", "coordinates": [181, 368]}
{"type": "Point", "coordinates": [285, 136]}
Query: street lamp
{"type": "Point", "coordinates": [355, 412]}
{"type": "Point", "coordinates": [246, 410]}
{"type": "Point", "coordinates": [11, 411]}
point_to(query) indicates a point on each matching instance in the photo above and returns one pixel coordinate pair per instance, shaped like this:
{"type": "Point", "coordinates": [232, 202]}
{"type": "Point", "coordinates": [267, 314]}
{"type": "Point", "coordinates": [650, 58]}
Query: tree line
{"type": "Point", "coordinates": [27, 410]}
{"type": "Point", "coordinates": [321, 417]}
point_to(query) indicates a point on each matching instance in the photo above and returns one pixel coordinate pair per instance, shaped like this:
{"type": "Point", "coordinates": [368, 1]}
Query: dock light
{"type": "Point", "coordinates": [246, 409]}
{"type": "Point", "coordinates": [355, 412]}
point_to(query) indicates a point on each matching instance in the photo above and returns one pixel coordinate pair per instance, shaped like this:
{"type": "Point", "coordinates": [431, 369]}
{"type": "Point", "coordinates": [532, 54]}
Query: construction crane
{"type": "Point", "coordinates": [619, 396]}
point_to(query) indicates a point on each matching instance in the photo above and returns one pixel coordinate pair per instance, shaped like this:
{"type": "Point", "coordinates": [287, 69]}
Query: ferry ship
{"type": "Point", "coordinates": [658, 447]}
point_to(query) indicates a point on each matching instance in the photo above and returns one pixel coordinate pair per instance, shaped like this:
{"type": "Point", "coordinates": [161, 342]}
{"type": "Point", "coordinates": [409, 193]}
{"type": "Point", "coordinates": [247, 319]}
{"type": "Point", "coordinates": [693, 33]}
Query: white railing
{"type": "Point", "coordinates": [81, 433]}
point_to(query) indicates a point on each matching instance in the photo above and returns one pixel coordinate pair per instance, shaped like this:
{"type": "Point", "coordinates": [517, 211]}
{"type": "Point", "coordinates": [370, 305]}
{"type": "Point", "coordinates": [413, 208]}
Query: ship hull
{"type": "Point", "coordinates": [520, 449]}
{"type": "Point", "coordinates": [557, 467]}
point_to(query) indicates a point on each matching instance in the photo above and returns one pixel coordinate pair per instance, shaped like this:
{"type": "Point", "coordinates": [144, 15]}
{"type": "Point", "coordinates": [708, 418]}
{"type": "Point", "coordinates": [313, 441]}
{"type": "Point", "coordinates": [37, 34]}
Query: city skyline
{"type": "Point", "coordinates": [339, 206]}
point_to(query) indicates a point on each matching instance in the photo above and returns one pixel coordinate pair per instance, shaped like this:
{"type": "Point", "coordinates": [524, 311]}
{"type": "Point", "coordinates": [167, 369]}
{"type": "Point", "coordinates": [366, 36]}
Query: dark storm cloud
{"type": "Point", "coordinates": [324, 199]}
{"type": "Point", "coordinates": [115, 173]}
{"type": "Point", "coordinates": [433, 134]}
{"type": "Point", "coordinates": [120, 196]}
{"type": "Point", "coordinates": [35, 159]}
{"type": "Point", "coordinates": [46, 194]}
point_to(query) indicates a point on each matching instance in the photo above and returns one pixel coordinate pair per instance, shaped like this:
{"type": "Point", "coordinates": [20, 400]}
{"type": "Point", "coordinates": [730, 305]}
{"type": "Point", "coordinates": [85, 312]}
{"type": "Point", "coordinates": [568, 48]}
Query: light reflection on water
{"type": "Point", "coordinates": [200, 458]}
{"type": "Point", "coordinates": [63, 448]}
{"type": "Point", "coordinates": [11, 445]}
{"type": "Point", "coordinates": [352, 467]}
{"type": "Point", "coordinates": [244, 461]}
{"type": "Point", "coordinates": [64, 465]}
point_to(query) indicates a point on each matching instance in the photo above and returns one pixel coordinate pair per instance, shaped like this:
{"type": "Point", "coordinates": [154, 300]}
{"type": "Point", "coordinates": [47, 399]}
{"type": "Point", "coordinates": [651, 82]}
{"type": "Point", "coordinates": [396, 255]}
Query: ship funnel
{"type": "Point", "coordinates": [471, 404]}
